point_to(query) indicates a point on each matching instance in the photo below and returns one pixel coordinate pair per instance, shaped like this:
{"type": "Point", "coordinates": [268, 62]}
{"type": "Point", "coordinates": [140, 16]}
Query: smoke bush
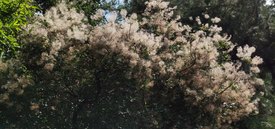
{"type": "Point", "coordinates": [82, 63]}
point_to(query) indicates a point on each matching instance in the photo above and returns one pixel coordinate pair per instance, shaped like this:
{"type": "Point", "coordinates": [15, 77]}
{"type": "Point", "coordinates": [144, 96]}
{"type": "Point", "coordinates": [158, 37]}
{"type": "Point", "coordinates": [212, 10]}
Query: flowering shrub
{"type": "Point", "coordinates": [83, 64]}
{"type": "Point", "coordinates": [13, 80]}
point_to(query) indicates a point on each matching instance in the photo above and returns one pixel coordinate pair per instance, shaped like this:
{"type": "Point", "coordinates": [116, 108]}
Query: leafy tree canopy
{"type": "Point", "coordinates": [14, 15]}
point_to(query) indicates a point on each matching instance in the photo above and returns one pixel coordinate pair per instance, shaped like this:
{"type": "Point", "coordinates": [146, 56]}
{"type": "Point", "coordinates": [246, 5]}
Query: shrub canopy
{"type": "Point", "coordinates": [148, 73]}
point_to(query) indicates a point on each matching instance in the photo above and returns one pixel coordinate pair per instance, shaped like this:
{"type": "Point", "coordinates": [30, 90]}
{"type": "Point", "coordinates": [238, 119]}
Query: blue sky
{"type": "Point", "coordinates": [268, 2]}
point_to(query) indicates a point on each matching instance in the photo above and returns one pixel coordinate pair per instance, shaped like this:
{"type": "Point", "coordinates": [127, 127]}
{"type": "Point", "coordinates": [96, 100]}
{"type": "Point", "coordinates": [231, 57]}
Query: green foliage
{"type": "Point", "coordinates": [46, 4]}
{"type": "Point", "coordinates": [88, 7]}
{"type": "Point", "coordinates": [14, 15]}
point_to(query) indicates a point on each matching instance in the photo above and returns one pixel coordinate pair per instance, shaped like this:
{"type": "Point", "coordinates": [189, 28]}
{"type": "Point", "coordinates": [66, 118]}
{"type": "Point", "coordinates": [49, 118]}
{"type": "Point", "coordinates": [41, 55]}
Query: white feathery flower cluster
{"type": "Point", "coordinates": [198, 20]}
{"type": "Point", "coordinates": [57, 17]}
{"type": "Point", "coordinates": [77, 33]}
{"type": "Point", "coordinates": [163, 5]}
{"type": "Point", "coordinates": [157, 4]}
{"type": "Point", "coordinates": [123, 13]}
{"type": "Point", "coordinates": [245, 52]}
{"type": "Point", "coordinates": [13, 82]}
{"type": "Point", "coordinates": [168, 51]}
{"type": "Point", "coordinates": [57, 21]}
{"type": "Point", "coordinates": [112, 17]}
{"type": "Point", "coordinates": [206, 16]}
{"type": "Point", "coordinates": [3, 66]}
{"type": "Point", "coordinates": [215, 20]}
{"type": "Point", "coordinates": [256, 60]}
{"type": "Point", "coordinates": [215, 29]}
{"type": "Point", "coordinates": [98, 15]}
